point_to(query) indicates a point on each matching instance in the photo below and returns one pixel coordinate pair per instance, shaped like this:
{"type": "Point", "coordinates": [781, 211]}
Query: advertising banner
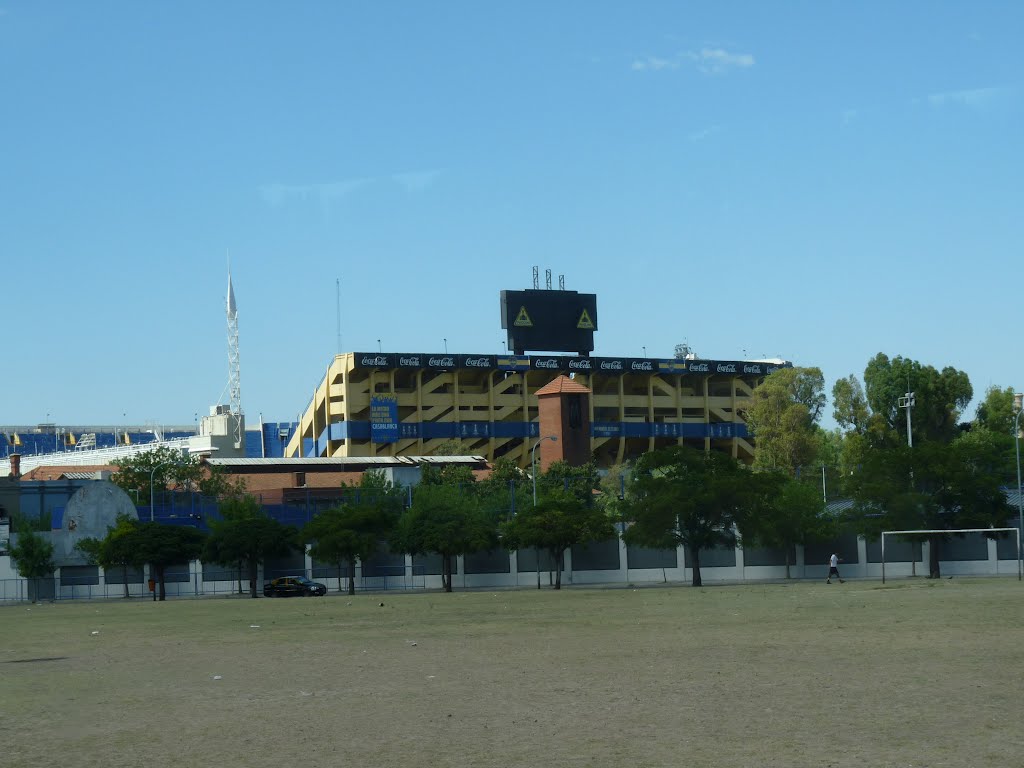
{"type": "Point", "coordinates": [384, 427]}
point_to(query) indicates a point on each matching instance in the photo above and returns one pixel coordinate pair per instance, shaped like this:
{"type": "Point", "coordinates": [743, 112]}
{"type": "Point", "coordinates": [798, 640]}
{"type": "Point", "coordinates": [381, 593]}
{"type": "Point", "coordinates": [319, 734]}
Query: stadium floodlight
{"type": "Point", "coordinates": [907, 401]}
{"type": "Point", "coordinates": [1018, 405]}
{"type": "Point", "coordinates": [951, 530]}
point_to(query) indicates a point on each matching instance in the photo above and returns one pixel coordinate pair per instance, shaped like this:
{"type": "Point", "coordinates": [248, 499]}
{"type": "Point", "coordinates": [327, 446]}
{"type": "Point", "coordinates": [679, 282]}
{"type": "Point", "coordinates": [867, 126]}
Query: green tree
{"type": "Point", "coordinates": [32, 555]}
{"type": "Point", "coordinates": [940, 396]}
{"type": "Point", "coordinates": [792, 513]}
{"type": "Point", "coordinates": [505, 491]}
{"type": "Point", "coordinates": [349, 533]}
{"type": "Point", "coordinates": [115, 550]}
{"type": "Point", "coordinates": [851, 410]}
{"type": "Point", "coordinates": [168, 468]}
{"type": "Point", "coordinates": [933, 486]}
{"type": "Point", "coordinates": [783, 418]}
{"type": "Point", "coordinates": [558, 522]}
{"type": "Point", "coordinates": [678, 496]}
{"type": "Point", "coordinates": [163, 545]}
{"type": "Point", "coordinates": [996, 411]}
{"type": "Point", "coordinates": [444, 520]}
{"type": "Point", "coordinates": [246, 534]}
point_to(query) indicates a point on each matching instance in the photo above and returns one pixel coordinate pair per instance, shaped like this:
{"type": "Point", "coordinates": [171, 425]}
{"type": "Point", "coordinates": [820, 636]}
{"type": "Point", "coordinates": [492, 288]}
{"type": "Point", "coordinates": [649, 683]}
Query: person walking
{"type": "Point", "coordinates": [833, 569]}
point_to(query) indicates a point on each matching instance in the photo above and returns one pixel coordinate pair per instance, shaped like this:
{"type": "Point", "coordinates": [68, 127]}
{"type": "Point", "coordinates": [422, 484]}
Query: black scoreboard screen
{"type": "Point", "coordinates": [549, 321]}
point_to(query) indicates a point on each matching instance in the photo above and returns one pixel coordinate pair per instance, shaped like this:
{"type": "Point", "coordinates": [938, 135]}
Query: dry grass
{"type": "Point", "coordinates": [915, 674]}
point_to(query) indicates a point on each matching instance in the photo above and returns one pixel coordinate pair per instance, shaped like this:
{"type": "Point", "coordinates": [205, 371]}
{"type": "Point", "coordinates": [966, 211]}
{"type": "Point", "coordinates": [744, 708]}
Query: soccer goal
{"type": "Point", "coordinates": [953, 530]}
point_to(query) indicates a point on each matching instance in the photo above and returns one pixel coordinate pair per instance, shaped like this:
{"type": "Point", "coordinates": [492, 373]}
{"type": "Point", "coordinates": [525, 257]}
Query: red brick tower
{"type": "Point", "coordinates": [564, 409]}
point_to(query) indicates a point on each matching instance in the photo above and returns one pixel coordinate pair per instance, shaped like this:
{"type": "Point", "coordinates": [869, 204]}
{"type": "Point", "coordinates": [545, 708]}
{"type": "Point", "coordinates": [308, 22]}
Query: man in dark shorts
{"type": "Point", "coordinates": [833, 569]}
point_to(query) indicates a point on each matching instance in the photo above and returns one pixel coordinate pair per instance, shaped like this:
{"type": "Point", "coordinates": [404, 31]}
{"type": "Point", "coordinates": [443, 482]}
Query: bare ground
{"type": "Point", "coordinates": [916, 674]}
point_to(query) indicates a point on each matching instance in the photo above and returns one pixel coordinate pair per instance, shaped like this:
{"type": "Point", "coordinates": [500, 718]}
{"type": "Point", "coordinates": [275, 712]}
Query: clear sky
{"type": "Point", "coordinates": [819, 181]}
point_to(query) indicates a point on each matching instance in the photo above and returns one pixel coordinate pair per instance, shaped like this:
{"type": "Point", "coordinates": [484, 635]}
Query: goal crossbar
{"type": "Point", "coordinates": [1020, 563]}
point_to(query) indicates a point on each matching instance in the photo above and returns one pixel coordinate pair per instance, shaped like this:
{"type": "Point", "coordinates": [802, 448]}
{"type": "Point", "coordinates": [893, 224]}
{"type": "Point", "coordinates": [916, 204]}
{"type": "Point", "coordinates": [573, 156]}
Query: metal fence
{"type": "Point", "coordinates": [388, 578]}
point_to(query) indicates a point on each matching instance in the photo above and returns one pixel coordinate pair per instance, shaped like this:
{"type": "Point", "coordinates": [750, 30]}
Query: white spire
{"type": "Point", "coordinates": [234, 366]}
{"type": "Point", "coordinates": [232, 309]}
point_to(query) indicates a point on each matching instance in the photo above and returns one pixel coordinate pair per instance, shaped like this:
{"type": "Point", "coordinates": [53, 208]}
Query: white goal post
{"type": "Point", "coordinates": [953, 530]}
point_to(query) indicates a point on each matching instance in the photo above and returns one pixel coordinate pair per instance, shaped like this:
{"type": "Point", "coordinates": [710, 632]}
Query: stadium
{"type": "Point", "coordinates": [397, 411]}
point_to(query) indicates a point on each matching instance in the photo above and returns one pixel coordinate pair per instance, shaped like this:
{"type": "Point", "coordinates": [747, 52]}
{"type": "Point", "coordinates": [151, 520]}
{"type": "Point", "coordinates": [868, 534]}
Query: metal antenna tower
{"type": "Point", "coordinates": [536, 278]}
{"type": "Point", "coordinates": [234, 367]}
{"type": "Point", "coordinates": [561, 282]}
{"type": "Point", "coordinates": [547, 279]}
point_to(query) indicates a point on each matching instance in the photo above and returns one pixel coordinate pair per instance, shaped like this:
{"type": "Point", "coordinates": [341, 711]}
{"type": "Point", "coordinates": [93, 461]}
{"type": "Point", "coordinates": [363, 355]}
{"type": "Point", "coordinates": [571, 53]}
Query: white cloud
{"type": "Point", "coordinates": [710, 61]}
{"type": "Point", "coordinates": [977, 97]}
{"type": "Point", "coordinates": [276, 195]}
{"type": "Point", "coordinates": [703, 133]}
{"type": "Point", "coordinates": [718, 60]}
{"type": "Point", "coordinates": [416, 181]}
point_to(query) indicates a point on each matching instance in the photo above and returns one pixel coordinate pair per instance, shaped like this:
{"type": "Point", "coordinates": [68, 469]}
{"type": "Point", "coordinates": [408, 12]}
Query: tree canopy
{"type": "Point", "coordinates": [163, 545]}
{"type": "Point", "coordinates": [560, 520]}
{"type": "Point", "coordinates": [32, 555]}
{"type": "Point", "coordinates": [445, 520]}
{"type": "Point", "coordinates": [246, 534]}
{"type": "Point", "coordinates": [168, 468]}
{"type": "Point", "coordinates": [116, 549]}
{"type": "Point", "coordinates": [783, 417]}
{"type": "Point", "coordinates": [678, 496]}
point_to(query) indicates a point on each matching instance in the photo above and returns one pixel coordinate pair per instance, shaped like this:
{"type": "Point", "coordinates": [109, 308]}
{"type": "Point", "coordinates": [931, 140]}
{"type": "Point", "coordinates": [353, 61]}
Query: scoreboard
{"type": "Point", "coordinates": [549, 321]}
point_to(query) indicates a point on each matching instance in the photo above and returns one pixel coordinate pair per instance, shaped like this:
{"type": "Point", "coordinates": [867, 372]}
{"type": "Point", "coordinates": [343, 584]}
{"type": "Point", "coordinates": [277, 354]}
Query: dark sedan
{"type": "Point", "coordinates": [289, 586]}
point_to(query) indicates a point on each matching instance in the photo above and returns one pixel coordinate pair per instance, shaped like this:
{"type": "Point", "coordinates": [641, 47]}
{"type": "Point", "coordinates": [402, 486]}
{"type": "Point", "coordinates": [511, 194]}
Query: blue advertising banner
{"type": "Point", "coordinates": [384, 427]}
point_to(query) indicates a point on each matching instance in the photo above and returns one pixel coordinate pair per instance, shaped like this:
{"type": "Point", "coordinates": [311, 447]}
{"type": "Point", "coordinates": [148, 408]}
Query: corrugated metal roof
{"type": "Point", "coordinates": [347, 461]}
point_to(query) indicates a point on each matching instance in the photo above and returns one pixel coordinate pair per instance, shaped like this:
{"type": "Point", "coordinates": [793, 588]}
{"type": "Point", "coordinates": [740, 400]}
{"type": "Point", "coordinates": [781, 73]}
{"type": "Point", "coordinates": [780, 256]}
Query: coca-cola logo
{"type": "Point", "coordinates": [751, 368]}
{"type": "Point", "coordinates": [409, 361]}
{"type": "Point", "coordinates": [372, 361]}
{"type": "Point", "coordinates": [699, 367]}
{"type": "Point", "coordinates": [546, 363]}
{"type": "Point", "coordinates": [478, 362]}
{"type": "Point", "coordinates": [611, 365]}
{"type": "Point", "coordinates": [579, 365]}
{"type": "Point", "coordinates": [642, 365]}
{"type": "Point", "coordinates": [442, 362]}
{"type": "Point", "coordinates": [725, 368]}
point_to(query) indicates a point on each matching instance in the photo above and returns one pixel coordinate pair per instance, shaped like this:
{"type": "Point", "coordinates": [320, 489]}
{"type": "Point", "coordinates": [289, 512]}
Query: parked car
{"type": "Point", "coordinates": [288, 586]}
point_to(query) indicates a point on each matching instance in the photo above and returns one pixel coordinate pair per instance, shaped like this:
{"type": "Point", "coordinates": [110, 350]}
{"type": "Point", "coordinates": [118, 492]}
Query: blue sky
{"type": "Point", "coordinates": [818, 181]}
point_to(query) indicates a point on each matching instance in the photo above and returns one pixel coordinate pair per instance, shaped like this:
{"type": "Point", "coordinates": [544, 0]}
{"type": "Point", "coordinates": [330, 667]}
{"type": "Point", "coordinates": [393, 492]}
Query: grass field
{"type": "Point", "coordinates": [916, 673]}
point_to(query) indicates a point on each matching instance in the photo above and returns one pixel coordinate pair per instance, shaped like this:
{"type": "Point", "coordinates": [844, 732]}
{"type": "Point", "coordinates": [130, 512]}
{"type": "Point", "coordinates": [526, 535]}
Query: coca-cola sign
{"type": "Point", "coordinates": [371, 360]}
{"type": "Point", "coordinates": [476, 361]}
{"type": "Point", "coordinates": [410, 361]}
{"type": "Point", "coordinates": [441, 361]}
{"type": "Point", "coordinates": [700, 368]}
{"type": "Point", "coordinates": [611, 365]}
{"type": "Point", "coordinates": [546, 363]}
{"type": "Point", "coordinates": [641, 365]}
{"type": "Point", "coordinates": [580, 364]}
{"type": "Point", "coordinates": [725, 368]}
{"type": "Point", "coordinates": [752, 368]}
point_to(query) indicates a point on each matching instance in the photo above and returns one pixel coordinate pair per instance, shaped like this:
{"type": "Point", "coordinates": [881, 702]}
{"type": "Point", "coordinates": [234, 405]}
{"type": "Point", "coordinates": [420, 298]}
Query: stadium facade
{"type": "Point", "coordinates": [399, 404]}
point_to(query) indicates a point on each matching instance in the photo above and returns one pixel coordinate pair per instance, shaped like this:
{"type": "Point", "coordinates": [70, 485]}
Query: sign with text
{"type": "Point", "coordinates": [384, 427]}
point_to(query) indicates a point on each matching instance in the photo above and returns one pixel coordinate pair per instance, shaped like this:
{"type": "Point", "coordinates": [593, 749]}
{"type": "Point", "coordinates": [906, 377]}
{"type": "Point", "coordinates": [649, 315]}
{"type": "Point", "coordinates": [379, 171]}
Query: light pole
{"type": "Point", "coordinates": [907, 402]}
{"type": "Point", "coordinates": [1018, 402]}
{"type": "Point", "coordinates": [152, 472]}
{"type": "Point", "coordinates": [533, 471]}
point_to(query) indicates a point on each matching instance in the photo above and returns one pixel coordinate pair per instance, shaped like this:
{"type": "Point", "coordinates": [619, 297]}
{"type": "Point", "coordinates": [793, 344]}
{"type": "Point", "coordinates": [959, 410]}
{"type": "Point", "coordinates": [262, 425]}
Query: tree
{"type": "Point", "coordinates": [940, 397]}
{"type": "Point", "coordinates": [348, 533]}
{"type": "Point", "coordinates": [996, 411]}
{"type": "Point", "coordinates": [678, 496]}
{"type": "Point", "coordinates": [560, 521]}
{"type": "Point", "coordinates": [783, 418]}
{"type": "Point", "coordinates": [444, 520]}
{"type": "Point", "coordinates": [505, 490]}
{"type": "Point", "coordinates": [166, 467]}
{"type": "Point", "coordinates": [246, 534]}
{"type": "Point", "coordinates": [115, 550]}
{"type": "Point", "coordinates": [851, 410]}
{"type": "Point", "coordinates": [32, 555]}
{"type": "Point", "coordinates": [793, 513]}
{"type": "Point", "coordinates": [933, 486]}
{"type": "Point", "coordinates": [160, 546]}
